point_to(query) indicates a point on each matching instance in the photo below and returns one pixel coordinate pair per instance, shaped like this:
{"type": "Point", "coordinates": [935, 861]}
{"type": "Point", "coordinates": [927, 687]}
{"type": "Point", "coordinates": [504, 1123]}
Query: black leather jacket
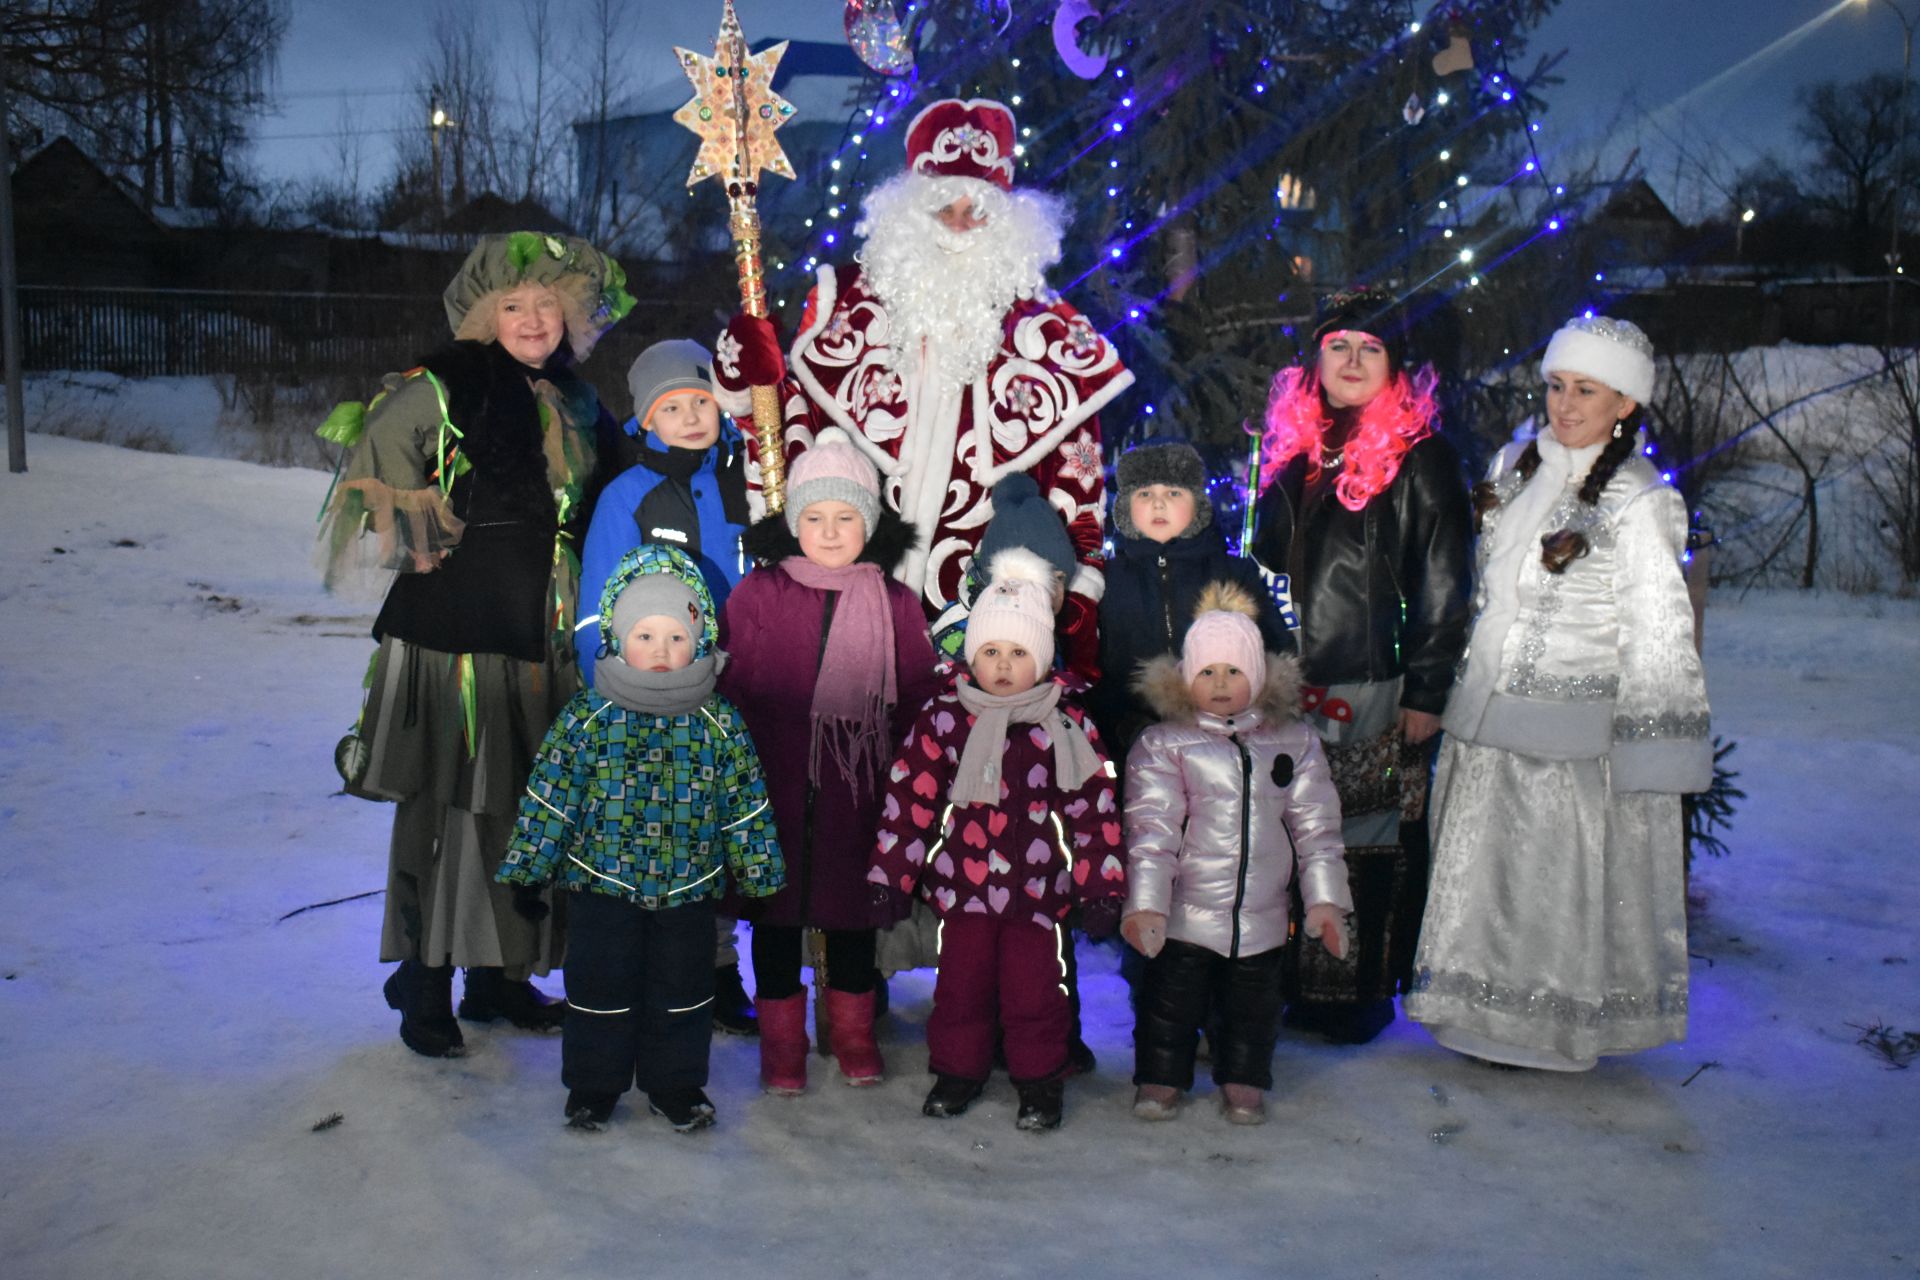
{"type": "Point", "coordinates": [1383, 591]}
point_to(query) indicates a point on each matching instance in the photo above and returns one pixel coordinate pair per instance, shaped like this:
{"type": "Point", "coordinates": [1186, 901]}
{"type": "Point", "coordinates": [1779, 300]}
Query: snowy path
{"type": "Point", "coordinates": [167, 713]}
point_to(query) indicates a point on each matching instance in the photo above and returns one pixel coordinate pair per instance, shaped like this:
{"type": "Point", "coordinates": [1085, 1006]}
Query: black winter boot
{"type": "Point", "coordinates": [1041, 1104]}
{"type": "Point", "coordinates": [951, 1096]}
{"type": "Point", "coordinates": [687, 1110]}
{"type": "Point", "coordinates": [732, 1006]}
{"type": "Point", "coordinates": [423, 997]}
{"type": "Point", "coordinates": [488, 995]}
{"type": "Point", "coordinates": [589, 1111]}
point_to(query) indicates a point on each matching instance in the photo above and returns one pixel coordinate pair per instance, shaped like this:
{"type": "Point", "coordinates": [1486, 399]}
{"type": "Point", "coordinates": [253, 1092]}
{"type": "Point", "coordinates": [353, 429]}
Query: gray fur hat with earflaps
{"type": "Point", "coordinates": [1164, 461]}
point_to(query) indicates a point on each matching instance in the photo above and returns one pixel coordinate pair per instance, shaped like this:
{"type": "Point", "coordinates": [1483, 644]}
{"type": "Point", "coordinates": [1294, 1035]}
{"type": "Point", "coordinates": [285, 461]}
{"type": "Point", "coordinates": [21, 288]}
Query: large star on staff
{"type": "Point", "coordinates": [712, 112]}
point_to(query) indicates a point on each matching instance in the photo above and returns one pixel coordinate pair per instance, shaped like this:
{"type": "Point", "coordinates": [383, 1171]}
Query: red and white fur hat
{"type": "Point", "coordinates": [971, 139]}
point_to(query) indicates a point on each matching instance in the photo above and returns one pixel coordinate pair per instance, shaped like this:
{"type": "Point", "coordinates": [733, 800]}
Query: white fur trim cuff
{"type": "Point", "coordinates": [735, 404]}
{"type": "Point", "coordinates": [1089, 582]}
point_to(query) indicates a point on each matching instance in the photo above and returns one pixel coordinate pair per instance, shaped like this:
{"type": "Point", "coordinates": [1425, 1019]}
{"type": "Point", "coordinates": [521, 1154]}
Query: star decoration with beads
{"type": "Point", "coordinates": [712, 112]}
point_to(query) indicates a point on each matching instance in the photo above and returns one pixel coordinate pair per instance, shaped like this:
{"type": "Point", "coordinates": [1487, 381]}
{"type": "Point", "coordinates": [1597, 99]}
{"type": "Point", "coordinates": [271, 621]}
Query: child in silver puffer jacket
{"type": "Point", "coordinates": [1225, 797]}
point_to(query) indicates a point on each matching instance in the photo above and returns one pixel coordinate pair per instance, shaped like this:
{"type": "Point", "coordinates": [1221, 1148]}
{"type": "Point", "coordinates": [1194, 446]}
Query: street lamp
{"type": "Point", "coordinates": [438, 119]}
{"type": "Point", "coordinates": [1894, 268]}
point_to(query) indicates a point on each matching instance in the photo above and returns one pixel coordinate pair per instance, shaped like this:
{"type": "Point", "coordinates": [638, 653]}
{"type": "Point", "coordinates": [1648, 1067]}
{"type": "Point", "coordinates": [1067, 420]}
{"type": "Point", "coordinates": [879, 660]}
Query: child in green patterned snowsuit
{"type": "Point", "coordinates": [646, 790]}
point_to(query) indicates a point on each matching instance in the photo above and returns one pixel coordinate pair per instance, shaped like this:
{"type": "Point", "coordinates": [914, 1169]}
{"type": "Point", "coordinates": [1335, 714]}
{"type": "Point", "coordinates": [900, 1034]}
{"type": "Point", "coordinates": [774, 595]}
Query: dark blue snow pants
{"type": "Point", "coordinates": [639, 996]}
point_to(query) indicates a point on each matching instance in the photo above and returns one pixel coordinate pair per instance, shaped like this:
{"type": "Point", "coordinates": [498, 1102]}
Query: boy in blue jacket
{"type": "Point", "coordinates": [688, 491]}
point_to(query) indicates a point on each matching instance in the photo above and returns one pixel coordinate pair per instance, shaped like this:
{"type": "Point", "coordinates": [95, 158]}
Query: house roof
{"type": "Point", "coordinates": [64, 174]}
{"type": "Point", "coordinates": [487, 213]}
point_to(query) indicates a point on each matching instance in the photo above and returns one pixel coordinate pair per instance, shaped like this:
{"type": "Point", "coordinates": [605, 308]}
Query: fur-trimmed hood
{"type": "Point", "coordinates": [1165, 690]}
{"type": "Point", "coordinates": [769, 541]}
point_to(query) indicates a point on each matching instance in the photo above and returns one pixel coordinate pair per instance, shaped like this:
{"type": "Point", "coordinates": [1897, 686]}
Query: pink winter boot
{"type": "Point", "coordinates": [783, 1044]}
{"type": "Point", "coordinates": [852, 1019]}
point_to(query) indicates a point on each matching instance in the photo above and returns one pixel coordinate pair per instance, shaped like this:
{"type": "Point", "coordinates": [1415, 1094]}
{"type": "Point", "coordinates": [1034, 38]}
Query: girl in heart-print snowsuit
{"type": "Point", "coordinates": [1000, 810]}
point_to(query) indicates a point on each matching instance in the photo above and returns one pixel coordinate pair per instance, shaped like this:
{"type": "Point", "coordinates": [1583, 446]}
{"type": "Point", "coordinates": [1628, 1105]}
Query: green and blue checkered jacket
{"type": "Point", "coordinates": [649, 808]}
{"type": "Point", "coordinates": [646, 808]}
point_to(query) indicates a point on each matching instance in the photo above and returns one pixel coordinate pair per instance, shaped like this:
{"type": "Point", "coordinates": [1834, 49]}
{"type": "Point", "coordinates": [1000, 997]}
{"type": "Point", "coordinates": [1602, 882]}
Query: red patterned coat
{"type": "Point", "coordinates": [939, 453]}
{"type": "Point", "coordinates": [1038, 852]}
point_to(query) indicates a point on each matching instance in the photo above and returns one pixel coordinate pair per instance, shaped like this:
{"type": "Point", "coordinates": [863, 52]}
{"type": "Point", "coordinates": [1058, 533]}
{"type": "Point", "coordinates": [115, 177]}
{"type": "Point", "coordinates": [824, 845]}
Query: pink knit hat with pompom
{"type": "Point", "coordinates": [1017, 611]}
{"type": "Point", "coordinates": [832, 470]}
{"type": "Point", "coordinates": [1224, 631]}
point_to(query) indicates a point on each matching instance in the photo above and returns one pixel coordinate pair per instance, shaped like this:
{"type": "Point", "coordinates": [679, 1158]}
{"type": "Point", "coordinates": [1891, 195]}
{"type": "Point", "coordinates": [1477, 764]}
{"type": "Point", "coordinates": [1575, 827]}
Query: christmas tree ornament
{"type": "Point", "coordinates": [735, 112]}
{"type": "Point", "coordinates": [1413, 113]}
{"type": "Point", "coordinates": [875, 34]}
{"type": "Point", "coordinates": [1066, 38]}
{"type": "Point", "coordinates": [1457, 56]}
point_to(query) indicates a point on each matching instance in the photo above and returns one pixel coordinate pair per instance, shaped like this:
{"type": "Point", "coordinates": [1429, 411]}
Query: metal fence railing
{"type": "Point", "coordinates": [346, 340]}
{"type": "Point", "coordinates": [183, 332]}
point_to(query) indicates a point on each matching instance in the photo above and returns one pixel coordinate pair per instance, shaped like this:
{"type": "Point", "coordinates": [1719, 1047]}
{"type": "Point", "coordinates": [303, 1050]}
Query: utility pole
{"type": "Point", "coordinates": [1894, 268]}
{"type": "Point", "coordinates": [10, 295]}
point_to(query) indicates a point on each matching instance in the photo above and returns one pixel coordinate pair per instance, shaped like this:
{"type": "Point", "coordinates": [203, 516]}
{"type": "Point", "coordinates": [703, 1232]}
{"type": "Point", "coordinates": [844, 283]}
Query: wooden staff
{"type": "Point", "coordinates": [735, 112]}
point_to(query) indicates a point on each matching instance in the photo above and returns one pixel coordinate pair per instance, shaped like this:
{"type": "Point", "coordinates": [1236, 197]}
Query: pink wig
{"type": "Point", "coordinates": [1390, 424]}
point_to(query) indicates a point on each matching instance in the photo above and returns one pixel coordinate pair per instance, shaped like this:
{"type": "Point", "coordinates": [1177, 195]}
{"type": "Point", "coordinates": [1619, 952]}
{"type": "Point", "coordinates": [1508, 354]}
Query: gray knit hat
{"type": "Point", "coordinates": [679, 364]}
{"type": "Point", "coordinates": [1169, 462]}
{"type": "Point", "coordinates": [656, 593]}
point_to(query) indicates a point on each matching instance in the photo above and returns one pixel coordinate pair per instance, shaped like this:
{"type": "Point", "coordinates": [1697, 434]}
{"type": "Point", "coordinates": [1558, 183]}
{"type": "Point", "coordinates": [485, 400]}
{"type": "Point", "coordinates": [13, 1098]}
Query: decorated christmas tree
{"type": "Point", "coordinates": [1227, 159]}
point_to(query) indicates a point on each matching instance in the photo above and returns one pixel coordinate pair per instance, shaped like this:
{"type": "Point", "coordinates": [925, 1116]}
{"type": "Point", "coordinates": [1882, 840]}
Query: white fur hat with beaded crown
{"type": "Point", "coordinates": [1617, 352]}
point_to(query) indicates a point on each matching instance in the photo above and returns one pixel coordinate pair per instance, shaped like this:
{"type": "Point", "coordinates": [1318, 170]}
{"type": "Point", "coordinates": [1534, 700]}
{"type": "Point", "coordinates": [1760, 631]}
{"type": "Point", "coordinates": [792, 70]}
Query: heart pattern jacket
{"type": "Point", "coordinates": [1042, 850]}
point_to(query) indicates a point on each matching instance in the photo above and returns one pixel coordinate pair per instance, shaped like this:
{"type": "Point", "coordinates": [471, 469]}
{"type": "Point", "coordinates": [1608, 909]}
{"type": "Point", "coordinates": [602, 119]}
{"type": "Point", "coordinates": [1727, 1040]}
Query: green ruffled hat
{"type": "Point", "coordinates": [591, 285]}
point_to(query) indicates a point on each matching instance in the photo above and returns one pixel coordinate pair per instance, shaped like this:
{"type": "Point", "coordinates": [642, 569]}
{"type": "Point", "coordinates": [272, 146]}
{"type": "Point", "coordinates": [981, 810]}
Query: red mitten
{"type": "Point", "coordinates": [1087, 536]}
{"type": "Point", "coordinates": [748, 354]}
{"type": "Point", "coordinates": [1079, 631]}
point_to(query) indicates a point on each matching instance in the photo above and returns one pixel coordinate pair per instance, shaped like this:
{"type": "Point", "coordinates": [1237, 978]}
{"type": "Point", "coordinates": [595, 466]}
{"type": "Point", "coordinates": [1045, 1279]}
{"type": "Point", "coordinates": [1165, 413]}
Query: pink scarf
{"type": "Point", "coordinates": [857, 687]}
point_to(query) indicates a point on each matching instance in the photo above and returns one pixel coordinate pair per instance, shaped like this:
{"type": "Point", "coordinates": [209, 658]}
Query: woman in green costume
{"type": "Point", "coordinates": [467, 477]}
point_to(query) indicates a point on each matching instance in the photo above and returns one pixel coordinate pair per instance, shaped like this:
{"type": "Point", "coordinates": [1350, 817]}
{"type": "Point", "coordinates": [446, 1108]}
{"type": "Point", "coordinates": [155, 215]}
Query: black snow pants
{"type": "Point", "coordinates": [639, 996]}
{"type": "Point", "coordinates": [1180, 986]}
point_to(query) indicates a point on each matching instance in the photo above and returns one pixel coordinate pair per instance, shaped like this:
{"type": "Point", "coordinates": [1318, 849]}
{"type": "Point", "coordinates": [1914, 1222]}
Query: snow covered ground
{"type": "Point", "coordinates": [171, 692]}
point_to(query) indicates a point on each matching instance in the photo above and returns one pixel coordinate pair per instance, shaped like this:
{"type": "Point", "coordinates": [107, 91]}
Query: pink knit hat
{"type": "Point", "coordinates": [832, 470]}
{"type": "Point", "coordinates": [1018, 611]}
{"type": "Point", "coordinates": [1225, 634]}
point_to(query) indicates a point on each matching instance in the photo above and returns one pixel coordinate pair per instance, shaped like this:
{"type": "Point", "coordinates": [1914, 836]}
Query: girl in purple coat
{"type": "Point", "coordinates": [1000, 811]}
{"type": "Point", "coordinates": [830, 660]}
{"type": "Point", "coordinates": [1224, 797]}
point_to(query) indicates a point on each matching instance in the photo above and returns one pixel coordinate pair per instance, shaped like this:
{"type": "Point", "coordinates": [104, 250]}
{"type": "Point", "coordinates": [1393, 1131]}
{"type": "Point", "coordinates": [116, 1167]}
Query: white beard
{"type": "Point", "coordinates": [952, 289]}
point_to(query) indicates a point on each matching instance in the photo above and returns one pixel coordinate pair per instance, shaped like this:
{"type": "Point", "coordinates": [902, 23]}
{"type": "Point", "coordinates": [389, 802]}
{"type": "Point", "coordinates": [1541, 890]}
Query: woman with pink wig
{"type": "Point", "coordinates": [1363, 528]}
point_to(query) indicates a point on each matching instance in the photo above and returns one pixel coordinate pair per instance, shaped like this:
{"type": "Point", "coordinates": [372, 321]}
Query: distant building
{"type": "Point", "coordinates": [76, 225]}
{"type": "Point", "coordinates": [632, 170]}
